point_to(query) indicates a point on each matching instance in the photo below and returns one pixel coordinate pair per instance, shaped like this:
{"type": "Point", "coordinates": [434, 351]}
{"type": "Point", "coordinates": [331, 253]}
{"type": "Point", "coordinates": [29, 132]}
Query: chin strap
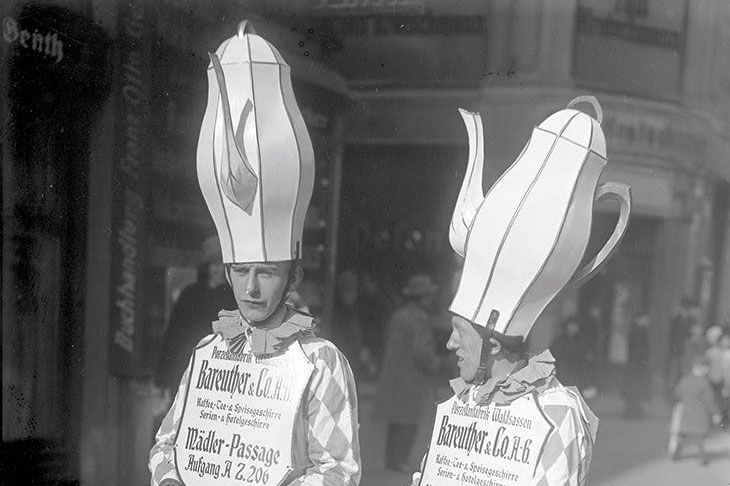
{"type": "Point", "coordinates": [486, 359]}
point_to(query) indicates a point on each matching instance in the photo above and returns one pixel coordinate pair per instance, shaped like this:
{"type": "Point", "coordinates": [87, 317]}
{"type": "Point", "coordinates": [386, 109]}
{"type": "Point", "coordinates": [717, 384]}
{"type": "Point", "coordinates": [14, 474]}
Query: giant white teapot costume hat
{"type": "Point", "coordinates": [255, 159]}
{"type": "Point", "coordinates": [524, 240]}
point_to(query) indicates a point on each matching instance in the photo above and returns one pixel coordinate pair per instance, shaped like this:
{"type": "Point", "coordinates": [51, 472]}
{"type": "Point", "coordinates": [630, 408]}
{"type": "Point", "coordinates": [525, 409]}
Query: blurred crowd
{"type": "Point", "coordinates": [696, 370]}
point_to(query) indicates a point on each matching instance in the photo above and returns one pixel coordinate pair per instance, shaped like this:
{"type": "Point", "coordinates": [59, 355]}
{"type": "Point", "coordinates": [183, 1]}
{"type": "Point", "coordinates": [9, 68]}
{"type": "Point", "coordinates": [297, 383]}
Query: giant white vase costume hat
{"type": "Point", "coordinates": [255, 159]}
{"type": "Point", "coordinates": [524, 240]}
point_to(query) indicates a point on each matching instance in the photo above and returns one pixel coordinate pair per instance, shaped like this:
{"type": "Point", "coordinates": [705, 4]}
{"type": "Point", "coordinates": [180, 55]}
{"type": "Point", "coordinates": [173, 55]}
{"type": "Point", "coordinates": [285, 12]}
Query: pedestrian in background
{"type": "Point", "coordinates": [191, 318]}
{"type": "Point", "coordinates": [571, 355]}
{"type": "Point", "coordinates": [636, 382]}
{"type": "Point", "coordinates": [715, 363]}
{"type": "Point", "coordinates": [347, 333]}
{"type": "Point", "coordinates": [694, 413]}
{"type": "Point", "coordinates": [373, 308]}
{"type": "Point", "coordinates": [592, 335]}
{"type": "Point", "coordinates": [409, 365]}
{"type": "Point", "coordinates": [679, 330]}
{"type": "Point", "coordinates": [724, 345]}
{"type": "Point", "coordinates": [695, 346]}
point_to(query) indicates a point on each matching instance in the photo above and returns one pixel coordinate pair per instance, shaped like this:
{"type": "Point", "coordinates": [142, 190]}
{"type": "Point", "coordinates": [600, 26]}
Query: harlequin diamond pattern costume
{"type": "Point", "coordinates": [325, 446]}
{"type": "Point", "coordinates": [569, 447]}
{"type": "Point", "coordinates": [256, 170]}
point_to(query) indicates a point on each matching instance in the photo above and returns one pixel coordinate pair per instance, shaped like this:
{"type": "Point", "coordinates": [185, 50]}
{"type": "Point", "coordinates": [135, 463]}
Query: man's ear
{"type": "Point", "coordinates": [295, 278]}
{"type": "Point", "coordinates": [496, 346]}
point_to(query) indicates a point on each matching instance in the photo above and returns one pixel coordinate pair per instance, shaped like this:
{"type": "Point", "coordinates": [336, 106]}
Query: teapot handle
{"type": "Point", "coordinates": [591, 100]}
{"type": "Point", "coordinates": [621, 193]}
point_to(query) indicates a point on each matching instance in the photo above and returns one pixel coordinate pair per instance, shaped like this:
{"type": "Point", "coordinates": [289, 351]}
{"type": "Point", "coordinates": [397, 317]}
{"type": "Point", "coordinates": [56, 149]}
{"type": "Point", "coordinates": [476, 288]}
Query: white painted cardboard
{"type": "Point", "coordinates": [530, 231]}
{"type": "Point", "coordinates": [255, 159]}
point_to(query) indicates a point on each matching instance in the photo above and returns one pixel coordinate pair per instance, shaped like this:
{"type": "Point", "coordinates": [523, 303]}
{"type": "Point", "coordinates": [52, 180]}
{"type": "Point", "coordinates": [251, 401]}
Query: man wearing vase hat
{"type": "Point", "coordinates": [510, 420]}
{"type": "Point", "coordinates": [263, 400]}
{"type": "Point", "coordinates": [409, 365]}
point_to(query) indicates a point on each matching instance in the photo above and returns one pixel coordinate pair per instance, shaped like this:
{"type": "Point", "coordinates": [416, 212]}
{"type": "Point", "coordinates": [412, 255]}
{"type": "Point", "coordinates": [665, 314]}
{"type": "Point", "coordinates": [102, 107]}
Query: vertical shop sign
{"type": "Point", "coordinates": [129, 201]}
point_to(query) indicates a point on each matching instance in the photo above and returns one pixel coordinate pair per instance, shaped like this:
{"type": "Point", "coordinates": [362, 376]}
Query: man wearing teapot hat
{"type": "Point", "coordinates": [511, 421]}
{"type": "Point", "coordinates": [263, 400]}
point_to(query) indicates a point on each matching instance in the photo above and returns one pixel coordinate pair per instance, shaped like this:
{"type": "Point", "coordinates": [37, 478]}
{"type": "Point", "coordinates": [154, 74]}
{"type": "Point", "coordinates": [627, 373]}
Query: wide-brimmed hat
{"type": "Point", "coordinates": [419, 285]}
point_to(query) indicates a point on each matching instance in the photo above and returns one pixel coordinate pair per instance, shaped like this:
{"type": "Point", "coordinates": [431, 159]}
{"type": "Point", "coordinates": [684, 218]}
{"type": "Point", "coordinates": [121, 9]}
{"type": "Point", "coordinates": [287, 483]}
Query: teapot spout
{"type": "Point", "coordinates": [471, 193]}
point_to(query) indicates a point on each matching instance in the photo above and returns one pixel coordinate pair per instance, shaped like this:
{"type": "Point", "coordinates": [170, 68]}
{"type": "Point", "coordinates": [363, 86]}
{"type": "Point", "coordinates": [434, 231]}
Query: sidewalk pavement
{"type": "Point", "coordinates": [627, 453]}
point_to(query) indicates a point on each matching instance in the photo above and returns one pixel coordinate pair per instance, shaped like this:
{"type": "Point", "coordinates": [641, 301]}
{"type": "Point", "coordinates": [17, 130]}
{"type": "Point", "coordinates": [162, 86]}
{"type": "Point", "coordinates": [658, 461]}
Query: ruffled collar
{"type": "Point", "coordinates": [536, 375]}
{"type": "Point", "coordinates": [234, 329]}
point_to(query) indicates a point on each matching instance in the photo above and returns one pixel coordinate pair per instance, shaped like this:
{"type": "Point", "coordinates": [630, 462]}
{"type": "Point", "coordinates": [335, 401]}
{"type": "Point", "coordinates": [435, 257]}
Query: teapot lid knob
{"type": "Point", "coordinates": [592, 101]}
{"type": "Point", "coordinates": [245, 27]}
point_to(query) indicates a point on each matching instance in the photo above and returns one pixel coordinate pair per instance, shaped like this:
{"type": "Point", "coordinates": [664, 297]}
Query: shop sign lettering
{"type": "Point", "coordinates": [46, 44]}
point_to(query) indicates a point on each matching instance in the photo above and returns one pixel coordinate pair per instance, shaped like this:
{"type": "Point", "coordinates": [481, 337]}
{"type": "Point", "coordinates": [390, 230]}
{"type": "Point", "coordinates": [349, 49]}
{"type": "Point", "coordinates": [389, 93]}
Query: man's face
{"type": "Point", "coordinates": [259, 288]}
{"type": "Point", "coordinates": [466, 343]}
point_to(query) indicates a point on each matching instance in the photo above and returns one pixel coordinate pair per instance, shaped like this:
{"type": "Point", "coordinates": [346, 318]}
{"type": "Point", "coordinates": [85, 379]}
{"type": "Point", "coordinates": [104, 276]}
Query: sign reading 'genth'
{"type": "Point", "coordinates": [46, 44]}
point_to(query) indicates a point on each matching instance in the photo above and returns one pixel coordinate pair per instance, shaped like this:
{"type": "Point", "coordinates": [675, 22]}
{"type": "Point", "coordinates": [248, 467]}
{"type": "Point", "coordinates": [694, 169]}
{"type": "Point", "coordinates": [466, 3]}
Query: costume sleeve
{"type": "Point", "coordinates": [332, 427]}
{"type": "Point", "coordinates": [568, 449]}
{"type": "Point", "coordinates": [162, 458]}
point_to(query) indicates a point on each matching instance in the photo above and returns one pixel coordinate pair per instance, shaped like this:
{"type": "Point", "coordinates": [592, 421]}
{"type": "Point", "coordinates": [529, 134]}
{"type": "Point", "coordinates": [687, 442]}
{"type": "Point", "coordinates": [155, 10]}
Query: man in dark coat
{"type": "Point", "coordinates": [636, 382]}
{"type": "Point", "coordinates": [570, 352]}
{"type": "Point", "coordinates": [373, 308]}
{"type": "Point", "coordinates": [679, 330]}
{"type": "Point", "coordinates": [409, 365]}
{"type": "Point", "coordinates": [194, 311]}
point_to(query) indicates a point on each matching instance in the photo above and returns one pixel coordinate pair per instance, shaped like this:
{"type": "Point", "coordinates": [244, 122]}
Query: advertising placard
{"type": "Point", "coordinates": [238, 421]}
{"type": "Point", "coordinates": [486, 445]}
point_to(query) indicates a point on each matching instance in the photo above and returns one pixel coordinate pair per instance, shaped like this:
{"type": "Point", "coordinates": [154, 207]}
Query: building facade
{"type": "Point", "coordinates": [657, 68]}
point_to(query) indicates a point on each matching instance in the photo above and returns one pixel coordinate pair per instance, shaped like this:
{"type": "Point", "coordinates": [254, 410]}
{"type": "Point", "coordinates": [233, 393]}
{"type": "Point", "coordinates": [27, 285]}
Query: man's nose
{"type": "Point", "coordinates": [452, 344]}
{"type": "Point", "coordinates": [252, 287]}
